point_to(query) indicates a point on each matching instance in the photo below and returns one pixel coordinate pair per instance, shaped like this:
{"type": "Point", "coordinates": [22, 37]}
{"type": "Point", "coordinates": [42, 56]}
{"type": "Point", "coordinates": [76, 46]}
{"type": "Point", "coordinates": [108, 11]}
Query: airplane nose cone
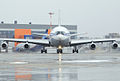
{"type": "Point", "coordinates": [61, 37]}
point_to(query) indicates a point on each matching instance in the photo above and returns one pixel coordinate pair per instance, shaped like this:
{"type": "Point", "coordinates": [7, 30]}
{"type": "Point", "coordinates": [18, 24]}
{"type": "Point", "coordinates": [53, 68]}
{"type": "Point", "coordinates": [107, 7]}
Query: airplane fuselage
{"type": "Point", "coordinates": [60, 36]}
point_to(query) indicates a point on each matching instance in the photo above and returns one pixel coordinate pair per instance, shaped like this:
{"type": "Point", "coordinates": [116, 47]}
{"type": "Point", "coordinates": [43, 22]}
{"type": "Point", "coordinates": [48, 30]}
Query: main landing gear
{"type": "Point", "coordinates": [43, 50]}
{"type": "Point", "coordinates": [75, 50]}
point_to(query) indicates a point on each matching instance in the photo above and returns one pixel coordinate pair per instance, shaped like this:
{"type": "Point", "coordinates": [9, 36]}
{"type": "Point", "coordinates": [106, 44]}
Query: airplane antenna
{"type": "Point", "coordinates": [59, 18]}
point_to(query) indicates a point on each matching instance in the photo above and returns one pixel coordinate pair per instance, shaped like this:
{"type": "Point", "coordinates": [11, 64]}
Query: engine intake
{"type": "Point", "coordinates": [26, 46]}
{"type": "Point", "coordinates": [115, 45]}
{"type": "Point", "coordinates": [4, 45]}
{"type": "Point", "coordinates": [93, 46]}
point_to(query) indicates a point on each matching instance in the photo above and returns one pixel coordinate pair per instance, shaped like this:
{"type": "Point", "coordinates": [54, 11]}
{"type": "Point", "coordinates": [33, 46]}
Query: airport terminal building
{"type": "Point", "coordinates": [7, 30]}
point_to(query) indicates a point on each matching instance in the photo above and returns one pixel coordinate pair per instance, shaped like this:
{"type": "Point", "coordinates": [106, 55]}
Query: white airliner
{"type": "Point", "coordinates": [59, 37]}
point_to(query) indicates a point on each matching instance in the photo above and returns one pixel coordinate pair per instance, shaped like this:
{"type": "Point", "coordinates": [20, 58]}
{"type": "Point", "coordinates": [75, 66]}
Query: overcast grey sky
{"type": "Point", "coordinates": [97, 17]}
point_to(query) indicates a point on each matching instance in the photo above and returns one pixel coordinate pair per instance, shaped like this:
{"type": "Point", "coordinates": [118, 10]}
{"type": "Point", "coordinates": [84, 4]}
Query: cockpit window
{"type": "Point", "coordinates": [63, 33]}
{"type": "Point", "coordinates": [60, 32]}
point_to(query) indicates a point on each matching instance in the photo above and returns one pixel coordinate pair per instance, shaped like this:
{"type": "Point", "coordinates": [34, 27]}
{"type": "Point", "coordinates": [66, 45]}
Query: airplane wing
{"type": "Point", "coordinates": [80, 42]}
{"type": "Point", "coordinates": [33, 41]}
{"type": "Point", "coordinates": [77, 34]}
{"type": "Point", "coordinates": [40, 42]}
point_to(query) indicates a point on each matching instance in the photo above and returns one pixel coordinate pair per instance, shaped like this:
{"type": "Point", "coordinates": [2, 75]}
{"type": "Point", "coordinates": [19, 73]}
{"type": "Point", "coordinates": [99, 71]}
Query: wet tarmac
{"type": "Point", "coordinates": [59, 67]}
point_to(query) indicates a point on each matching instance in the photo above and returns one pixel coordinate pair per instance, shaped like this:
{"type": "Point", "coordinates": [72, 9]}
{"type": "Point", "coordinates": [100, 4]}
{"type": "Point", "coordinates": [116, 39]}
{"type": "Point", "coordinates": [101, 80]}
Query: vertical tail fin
{"type": "Point", "coordinates": [49, 30]}
{"type": "Point", "coordinates": [46, 32]}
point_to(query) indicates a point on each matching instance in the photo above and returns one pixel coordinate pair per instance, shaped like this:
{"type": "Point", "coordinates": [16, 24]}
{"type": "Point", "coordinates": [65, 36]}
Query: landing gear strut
{"type": "Point", "coordinates": [75, 50]}
{"type": "Point", "coordinates": [59, 50]}
{"type": "Point", "coordinates": [43, 50]}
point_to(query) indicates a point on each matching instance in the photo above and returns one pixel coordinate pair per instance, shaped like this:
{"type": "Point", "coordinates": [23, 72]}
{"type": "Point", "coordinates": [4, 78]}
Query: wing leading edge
{"type": "Point", "coordinates": [33, 41]}
{"type": "Point", "coordinates": [79, 42]}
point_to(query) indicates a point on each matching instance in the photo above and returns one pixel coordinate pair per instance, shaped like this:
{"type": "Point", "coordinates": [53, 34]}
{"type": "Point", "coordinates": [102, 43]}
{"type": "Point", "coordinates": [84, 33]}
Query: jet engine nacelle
{"type": "Point", "coordinates": [4, 45]}
{"type": "Point", "coordinates": [115, 45]}
{"type": "Point", "coordinates": [26, 46]}
{"type": "Point", "coordinates": [93, 46]}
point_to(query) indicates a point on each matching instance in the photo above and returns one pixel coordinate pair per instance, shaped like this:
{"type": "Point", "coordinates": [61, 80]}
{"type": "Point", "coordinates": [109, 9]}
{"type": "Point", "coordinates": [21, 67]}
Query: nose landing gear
{"type": "Point", "coordinates": [59, 50]}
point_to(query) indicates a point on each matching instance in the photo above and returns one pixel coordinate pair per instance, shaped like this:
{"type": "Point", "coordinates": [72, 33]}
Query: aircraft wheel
{"type": "Point", "coordinates": [73, 51]}
{"type": "Point", "coordinates": [76, 51]}
{"type": "Point", "coordinates": [41, 51]}
{"type": "Point", "coordinates": [59, 51]}
{"type": "Point", "coordinates": [45, 51]}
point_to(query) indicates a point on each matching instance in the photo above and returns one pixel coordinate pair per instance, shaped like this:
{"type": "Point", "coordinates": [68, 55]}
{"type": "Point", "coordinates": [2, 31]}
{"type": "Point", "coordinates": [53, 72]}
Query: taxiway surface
{"type": "Point", "coordinates": [48, 67]}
